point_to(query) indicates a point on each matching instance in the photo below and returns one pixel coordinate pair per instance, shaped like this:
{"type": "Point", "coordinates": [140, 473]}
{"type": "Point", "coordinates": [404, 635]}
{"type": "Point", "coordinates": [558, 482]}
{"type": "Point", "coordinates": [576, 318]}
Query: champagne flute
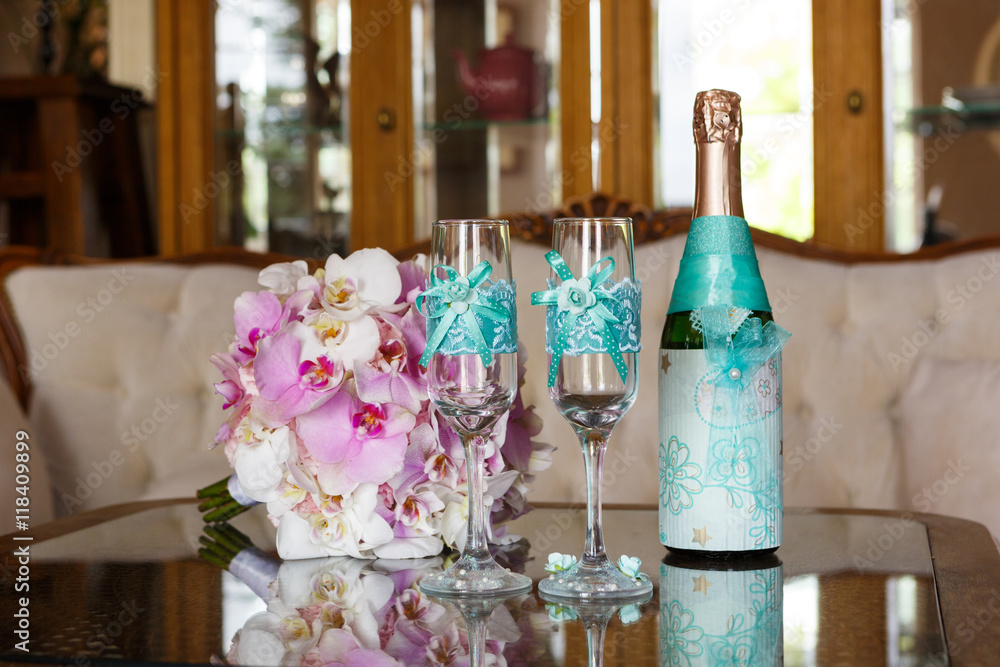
{"type": "Point", "coordinates": [473, 383]}
{"type": "Point", "coordinates": [593, 386]}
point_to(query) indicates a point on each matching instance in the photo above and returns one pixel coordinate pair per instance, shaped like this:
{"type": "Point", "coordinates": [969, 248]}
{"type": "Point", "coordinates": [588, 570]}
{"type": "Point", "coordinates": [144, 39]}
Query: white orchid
{"type": "Point", "coordinates": [354, 531]}
{"type": "Point", "coordinates": [366, 280]}
{"type": "Point", "coordinates": [260, 461]}
{"type": "Point", "coordinates": [283, 278]}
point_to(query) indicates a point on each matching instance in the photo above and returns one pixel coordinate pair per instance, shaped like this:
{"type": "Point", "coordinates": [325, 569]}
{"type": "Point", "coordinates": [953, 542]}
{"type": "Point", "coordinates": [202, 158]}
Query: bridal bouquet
{"type": "Point", "coordinates": [330, 425]}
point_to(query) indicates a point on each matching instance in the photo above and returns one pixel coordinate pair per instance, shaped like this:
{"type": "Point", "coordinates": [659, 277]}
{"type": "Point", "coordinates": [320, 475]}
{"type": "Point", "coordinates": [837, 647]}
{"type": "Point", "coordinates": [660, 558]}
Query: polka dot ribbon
{"type": "Point", "coordinates": [459, 300]}
{"type": "Point", "coordinates": [581, 299]}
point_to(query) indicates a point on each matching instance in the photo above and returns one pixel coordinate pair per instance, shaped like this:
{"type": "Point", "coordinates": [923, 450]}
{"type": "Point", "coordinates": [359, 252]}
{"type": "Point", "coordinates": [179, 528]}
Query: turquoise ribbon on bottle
{"type": "Point", "coordinates": [581, 298]}
{"type": "Point", "coordinates": [733, 361]}
{"type": "Point", "coordinates": [719, 267]}
{"type": "Point", "coordinates": [461, 300]}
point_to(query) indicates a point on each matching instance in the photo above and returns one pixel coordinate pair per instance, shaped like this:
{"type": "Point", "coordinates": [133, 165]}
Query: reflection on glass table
{"type": "Point", "coordinates": [127, 586]}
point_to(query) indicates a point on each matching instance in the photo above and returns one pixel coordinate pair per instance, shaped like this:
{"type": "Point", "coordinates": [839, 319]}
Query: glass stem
{"type": "Point", "coordinates": [595, 644]}
{"type": "Point", "coordinates": [594, 445]}
{"type": "Point", "coordinates": [477, 625]}
{"type": "Point", "coordinates": [475, 543]}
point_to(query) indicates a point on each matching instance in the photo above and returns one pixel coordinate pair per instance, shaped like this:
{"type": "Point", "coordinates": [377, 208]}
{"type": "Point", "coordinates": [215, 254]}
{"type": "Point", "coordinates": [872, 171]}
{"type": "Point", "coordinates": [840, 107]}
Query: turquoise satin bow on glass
{"type": "Point", "coordinates": [581, 298]}
{"type": "Point", "coordinates": [458, 299]}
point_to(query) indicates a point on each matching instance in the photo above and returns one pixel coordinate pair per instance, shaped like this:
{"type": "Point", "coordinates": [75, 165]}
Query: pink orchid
{"type": "Point", "coordinates": [362, 442]}
{"type": "Point", "coordinates": [422, 443]}
{"type": "Point", "coordinates": [415, 512]}
{"type": "Point", "coordinates": [256, 315]}
{"type": "Point", "coordinates": [413, 279]}
{"type": "Point", "coordinates": [290, 386]}
{"type": "Point", "coordinates": [385, 381]}
{"type": "Point", "coordinates": [231, 387]}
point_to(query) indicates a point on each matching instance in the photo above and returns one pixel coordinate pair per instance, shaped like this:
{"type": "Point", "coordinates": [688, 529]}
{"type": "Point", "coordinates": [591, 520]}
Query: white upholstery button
{"type": "Point", "coordinates": [735, 373]}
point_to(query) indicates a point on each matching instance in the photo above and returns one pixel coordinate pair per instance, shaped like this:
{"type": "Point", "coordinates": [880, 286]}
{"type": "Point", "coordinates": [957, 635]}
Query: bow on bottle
{"type": "Point", "coordinates": [737, 433]}
{"type": "Point", "coordinates": [457, 299]}
{"type": "Point", "coordinates": [581, 298]}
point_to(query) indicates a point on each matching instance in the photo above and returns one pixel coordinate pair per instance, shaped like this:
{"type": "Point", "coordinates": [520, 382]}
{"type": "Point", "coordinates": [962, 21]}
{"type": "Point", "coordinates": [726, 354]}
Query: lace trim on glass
{"type": "Point", "coordinates": [500, 336]}
{"type": "Point", "coordinates": [584, 339]}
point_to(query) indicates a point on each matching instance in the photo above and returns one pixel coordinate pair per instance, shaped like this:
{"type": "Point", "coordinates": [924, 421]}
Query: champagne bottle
{"type": "Point", "coordinates": [720, 448]}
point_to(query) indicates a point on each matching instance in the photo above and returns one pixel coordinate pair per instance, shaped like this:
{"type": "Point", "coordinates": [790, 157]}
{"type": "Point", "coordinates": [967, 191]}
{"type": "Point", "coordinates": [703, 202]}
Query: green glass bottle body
{"type": "Point", "coordinates": [679, 334]}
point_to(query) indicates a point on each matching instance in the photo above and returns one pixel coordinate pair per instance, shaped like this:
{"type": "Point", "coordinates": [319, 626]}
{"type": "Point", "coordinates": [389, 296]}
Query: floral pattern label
{"type": "Point", "coordinates": [723, 495]}
{"type": "Point", "coordinates": [720, 617]}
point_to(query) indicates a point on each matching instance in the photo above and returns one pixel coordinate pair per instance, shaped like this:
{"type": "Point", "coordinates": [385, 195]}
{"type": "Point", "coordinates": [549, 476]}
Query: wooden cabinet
{"type": "Point", "coordinates": [72, 175]}
{"type": "Point", "coordinates": [389, 132]}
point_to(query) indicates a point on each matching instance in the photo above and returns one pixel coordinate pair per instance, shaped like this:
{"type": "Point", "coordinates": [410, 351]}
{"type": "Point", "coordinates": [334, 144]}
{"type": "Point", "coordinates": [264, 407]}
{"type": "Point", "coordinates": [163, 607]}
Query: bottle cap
{"type": "Point", "coordinates": [717, 117]}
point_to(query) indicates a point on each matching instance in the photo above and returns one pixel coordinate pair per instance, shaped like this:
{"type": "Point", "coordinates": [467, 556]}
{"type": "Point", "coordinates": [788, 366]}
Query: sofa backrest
{"type": "Point", "coordinates": [117, 358]}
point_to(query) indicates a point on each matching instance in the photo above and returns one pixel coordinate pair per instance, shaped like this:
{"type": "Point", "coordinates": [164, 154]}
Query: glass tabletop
{"type": "Point", "coordinates": [843, 589]}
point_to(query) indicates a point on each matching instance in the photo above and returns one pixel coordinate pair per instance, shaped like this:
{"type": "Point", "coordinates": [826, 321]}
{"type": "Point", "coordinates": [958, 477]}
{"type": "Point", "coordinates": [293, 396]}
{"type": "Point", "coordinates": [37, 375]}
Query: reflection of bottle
{"type": "Point", "coordinates": [720, 402]}
{"type": "Point", "coordinates": [721, 612]}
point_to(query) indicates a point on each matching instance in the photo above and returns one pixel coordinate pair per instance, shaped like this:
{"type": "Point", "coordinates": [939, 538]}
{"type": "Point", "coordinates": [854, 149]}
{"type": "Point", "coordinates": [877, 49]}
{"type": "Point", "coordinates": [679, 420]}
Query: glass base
{"type": "Point", "coordinates": [594, 580]}
{"type": "Point", "coordinates": [471, 576]}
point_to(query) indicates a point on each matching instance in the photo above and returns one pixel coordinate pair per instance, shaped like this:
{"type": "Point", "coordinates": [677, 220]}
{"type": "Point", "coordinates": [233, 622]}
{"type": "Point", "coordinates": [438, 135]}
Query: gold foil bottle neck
{"type": "Point", "coordinates": [717, 117]}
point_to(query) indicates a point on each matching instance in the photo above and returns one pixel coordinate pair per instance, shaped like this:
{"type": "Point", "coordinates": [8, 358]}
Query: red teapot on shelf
{"type": "Point", "coordinates": [505, 82]}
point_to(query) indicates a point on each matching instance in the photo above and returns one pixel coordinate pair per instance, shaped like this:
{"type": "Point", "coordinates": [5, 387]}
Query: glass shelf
{"type": "Point", "coordinates": [974, 115]}
{"type": "Point", "coordinates": [482, 124]}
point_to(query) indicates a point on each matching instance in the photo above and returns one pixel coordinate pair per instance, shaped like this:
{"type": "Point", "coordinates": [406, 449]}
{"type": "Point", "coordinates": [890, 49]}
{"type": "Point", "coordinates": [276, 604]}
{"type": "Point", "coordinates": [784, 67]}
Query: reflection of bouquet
{"type": "Point", "coordinates": [330, 423]}
{"type": "Point", "coordinates": [344, 611]}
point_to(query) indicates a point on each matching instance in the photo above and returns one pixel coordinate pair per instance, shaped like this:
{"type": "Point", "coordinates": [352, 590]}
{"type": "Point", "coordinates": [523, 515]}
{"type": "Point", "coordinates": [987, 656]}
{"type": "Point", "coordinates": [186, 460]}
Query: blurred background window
{"type": "Point", "coordinates": [761, 49]}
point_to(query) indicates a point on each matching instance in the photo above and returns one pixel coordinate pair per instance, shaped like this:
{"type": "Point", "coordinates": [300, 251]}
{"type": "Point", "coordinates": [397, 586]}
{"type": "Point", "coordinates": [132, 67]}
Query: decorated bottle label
{"type": "Point", "coordinates": [721, 617]}
{"type": "Point", "coordinates": [720, 458]}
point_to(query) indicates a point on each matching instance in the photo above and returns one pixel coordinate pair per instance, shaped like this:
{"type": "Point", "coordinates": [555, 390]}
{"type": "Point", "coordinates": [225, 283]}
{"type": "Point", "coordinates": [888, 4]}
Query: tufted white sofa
{"type": "Point", "coordinates": [122, 405]}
